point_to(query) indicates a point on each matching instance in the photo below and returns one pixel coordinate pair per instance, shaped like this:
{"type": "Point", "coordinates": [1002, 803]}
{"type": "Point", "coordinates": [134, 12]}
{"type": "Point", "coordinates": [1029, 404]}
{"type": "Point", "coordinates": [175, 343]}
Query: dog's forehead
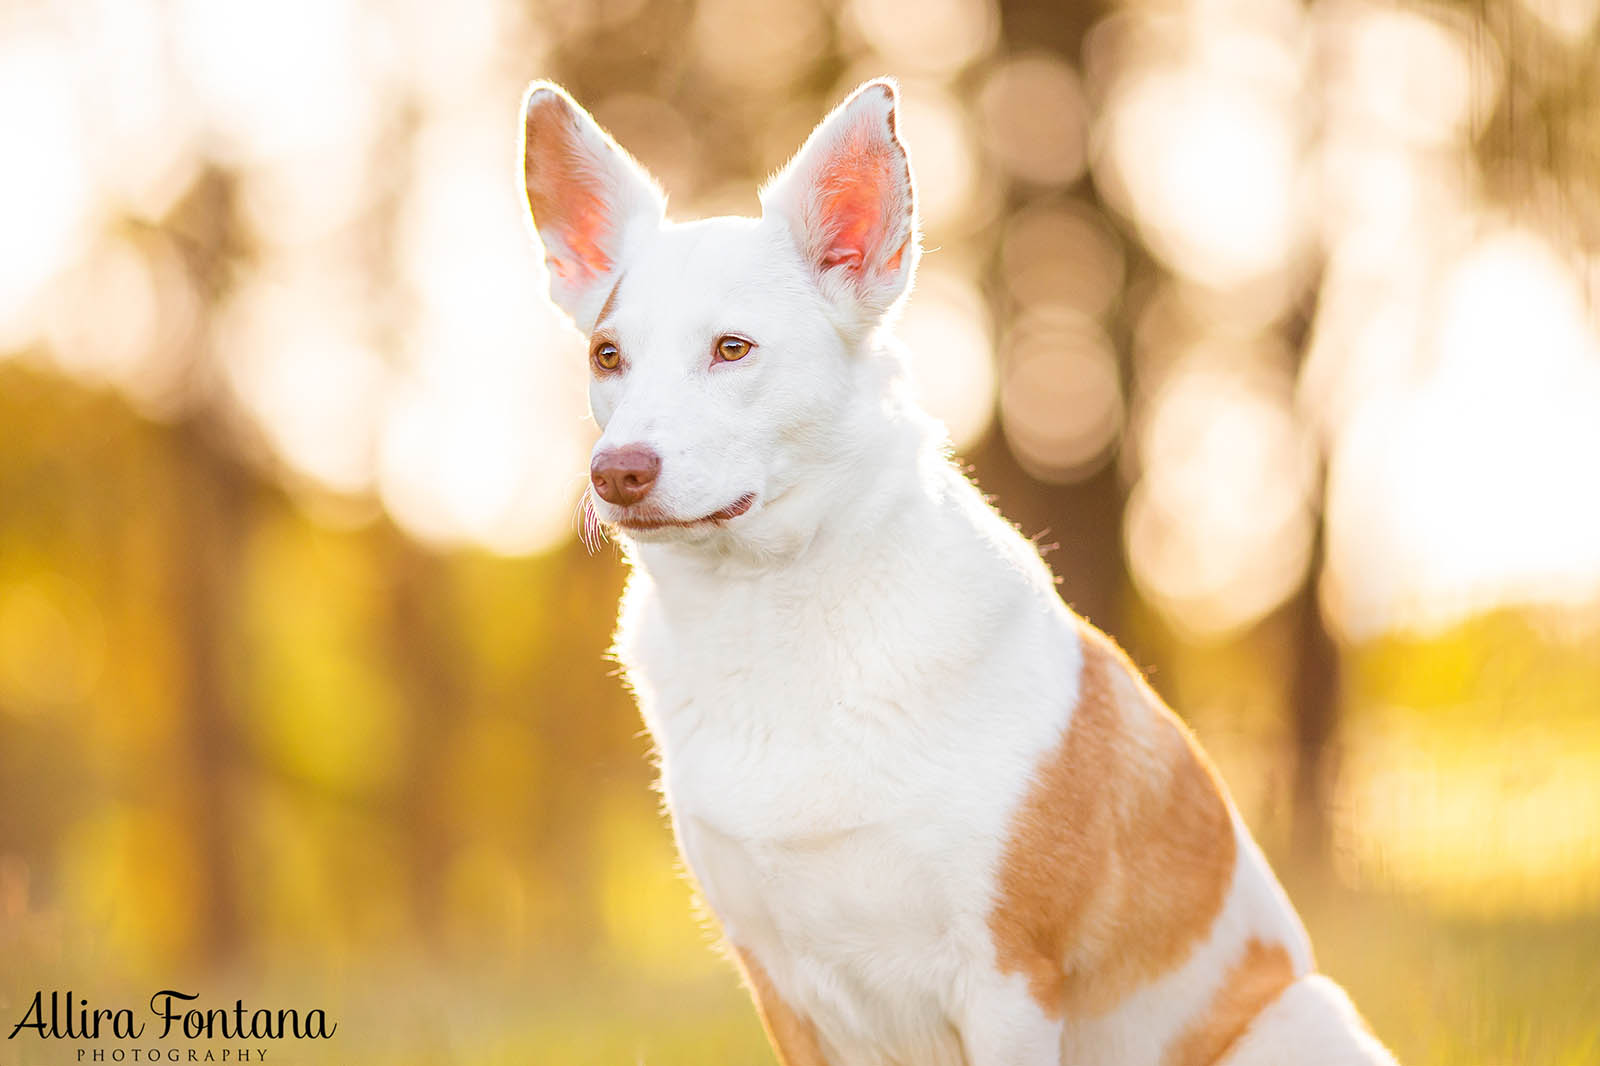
{"type": "Point", "coordinates": [691, 268]}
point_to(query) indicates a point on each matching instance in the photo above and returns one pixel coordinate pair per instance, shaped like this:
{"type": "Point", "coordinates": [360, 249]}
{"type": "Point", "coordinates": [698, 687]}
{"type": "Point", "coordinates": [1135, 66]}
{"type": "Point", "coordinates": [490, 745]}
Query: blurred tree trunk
{"type": "Point", "coordinates": [212, 501]}
{"type": "Point", "coordinates": [1313, 691]}
{"type": "Point", "coordinates": [425, 655]}
{"type": "Point", "coordinates": [1314, 703]}
{"type": "Point", "coordinates": [1079, 526]}
{"type": "Point", "coordinates": [211, 518]}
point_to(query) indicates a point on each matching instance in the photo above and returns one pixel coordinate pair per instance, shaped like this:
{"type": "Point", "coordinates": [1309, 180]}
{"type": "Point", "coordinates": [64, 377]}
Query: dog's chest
{"type": "Point", "coordinates": [859, 895]}
{"type": "Point", "coordinates": [841, 776]}
{"type": "Point", "coordinates": [827, 841]}
{"type": "Point", "coordinates": [824, 801]}
{"type": "Point", "coordinates": [823, 895]}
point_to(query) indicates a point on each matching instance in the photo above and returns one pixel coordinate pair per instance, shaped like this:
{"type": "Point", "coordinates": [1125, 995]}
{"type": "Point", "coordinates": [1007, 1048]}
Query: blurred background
{"type": "Point", "coordinates": [1278, 323]}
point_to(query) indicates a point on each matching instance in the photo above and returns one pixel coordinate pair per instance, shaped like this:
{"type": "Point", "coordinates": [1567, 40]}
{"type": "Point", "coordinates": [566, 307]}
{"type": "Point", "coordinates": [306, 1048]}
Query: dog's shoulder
{"type": "Point", "coordinates": [1120, 857]}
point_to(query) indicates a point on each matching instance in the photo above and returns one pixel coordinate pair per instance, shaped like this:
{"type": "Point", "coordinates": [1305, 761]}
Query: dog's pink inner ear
{"type": "Point", "coordinates": [854, 190]}
{"type": "Point", "coordinates": [567, 195]}
{"type": "Point", "coordinates": [586, 226]}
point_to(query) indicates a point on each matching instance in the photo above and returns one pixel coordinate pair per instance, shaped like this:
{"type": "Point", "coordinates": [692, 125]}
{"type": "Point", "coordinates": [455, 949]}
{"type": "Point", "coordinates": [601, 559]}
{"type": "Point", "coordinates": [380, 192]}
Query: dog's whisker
{"type": "Point", "coordinates": [590, 530]}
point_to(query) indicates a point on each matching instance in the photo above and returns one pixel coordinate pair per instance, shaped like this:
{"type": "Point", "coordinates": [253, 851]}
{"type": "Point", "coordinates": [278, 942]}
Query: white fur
{"type": "Point", "coordinates": [1311, 1024]}
{"type": "Point", "coordinates": [852, 683]}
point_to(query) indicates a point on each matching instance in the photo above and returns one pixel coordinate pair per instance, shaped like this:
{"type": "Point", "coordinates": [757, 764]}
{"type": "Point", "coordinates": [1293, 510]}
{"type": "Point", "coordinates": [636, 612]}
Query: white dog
{"type": "Point", "coordinates": [940, 818]}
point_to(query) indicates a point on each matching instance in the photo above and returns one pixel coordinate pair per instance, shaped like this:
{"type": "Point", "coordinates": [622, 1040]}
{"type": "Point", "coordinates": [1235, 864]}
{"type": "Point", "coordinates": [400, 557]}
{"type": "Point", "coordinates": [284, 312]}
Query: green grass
{"type": "Point", "coordinates": [1439, 991]}
{"type": "Point", "coordinates": [1451, 992]}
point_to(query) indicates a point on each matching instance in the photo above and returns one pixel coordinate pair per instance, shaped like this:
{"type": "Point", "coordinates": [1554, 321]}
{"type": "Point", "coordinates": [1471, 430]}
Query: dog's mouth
{"type": "Point", "coordinates": [647, 518]}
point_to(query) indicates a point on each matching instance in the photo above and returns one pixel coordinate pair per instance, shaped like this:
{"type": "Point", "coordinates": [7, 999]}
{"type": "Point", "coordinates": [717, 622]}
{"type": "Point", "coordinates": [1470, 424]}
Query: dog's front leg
{"type": "Point", "coordinates": [1005, 1026]}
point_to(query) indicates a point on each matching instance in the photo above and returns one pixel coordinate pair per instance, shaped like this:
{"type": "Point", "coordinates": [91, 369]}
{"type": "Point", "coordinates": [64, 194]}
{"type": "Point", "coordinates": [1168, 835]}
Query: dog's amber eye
{"type": "Point", "coordinates": [732, 349]}
{"type": "Point", "coordinates": [607, 356]}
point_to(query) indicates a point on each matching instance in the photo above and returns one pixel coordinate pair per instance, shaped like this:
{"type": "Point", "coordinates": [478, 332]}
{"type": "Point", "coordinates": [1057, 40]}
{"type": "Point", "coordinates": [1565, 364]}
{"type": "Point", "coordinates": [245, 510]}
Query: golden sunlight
{"type": "Point", "coordinates": [1060, 394]}
{"type": "Point", "coordinates": [1204, 157]}
{"type": "Point", "coordinates": [946, 331]}
{"type": "Point", "coordinates": [45, 190]}
{"type": "Point", "coordinates": [1459, 486]}
{"type": "Point", "coordinates": [1219, 527]}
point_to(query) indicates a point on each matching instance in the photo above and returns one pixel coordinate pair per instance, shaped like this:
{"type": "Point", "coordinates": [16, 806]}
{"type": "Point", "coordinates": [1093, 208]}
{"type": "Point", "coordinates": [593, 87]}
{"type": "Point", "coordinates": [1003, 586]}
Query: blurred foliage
{"type": "Point", "coordinates": [303, 688]}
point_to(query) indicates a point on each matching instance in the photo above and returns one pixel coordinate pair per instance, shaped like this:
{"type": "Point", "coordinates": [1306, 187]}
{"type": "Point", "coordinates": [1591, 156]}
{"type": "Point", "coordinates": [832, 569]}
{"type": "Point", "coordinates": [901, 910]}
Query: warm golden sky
{"type": "Point", "coordinates": [1453, 365]}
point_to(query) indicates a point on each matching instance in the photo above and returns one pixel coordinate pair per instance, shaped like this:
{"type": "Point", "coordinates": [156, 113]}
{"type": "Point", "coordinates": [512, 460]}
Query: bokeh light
{"type": "Point", "coordinates": [1219, 527]}
{"type": "Point", "coordinates": [935, 132]}
{"type": "Point", "coordinates": [926, 36]}
{"type": "Point", "coordinates": [1060, 394]}
{"type": "Point", "coordinates": [1403, 74]}
{"type": "Point", "coordinates": [792, 31]}
{"type": "Point", "coordinates": [120, 345]}
{"type": "Point", "coordinates": [1064, 255]}
{"type": "Point", "coordinates": [1571, 20]}
{"type": "Point", "coordinates": [947, 332]}
{"type": "Point", "coordinates": [1452, 493]}
{"type": "Point", "coordinates": [1206, 163]}
{"type": "Point", "coordinates": [45, 193]}
{"type": "Point", "coordinates": [1035, 119]}
{"type": "Point", "coordinates": [315, 385]}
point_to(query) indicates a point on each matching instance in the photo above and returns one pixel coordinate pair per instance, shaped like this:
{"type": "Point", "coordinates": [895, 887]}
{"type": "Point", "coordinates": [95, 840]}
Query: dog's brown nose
{"type": "Point", "coordinates": [623, 476]}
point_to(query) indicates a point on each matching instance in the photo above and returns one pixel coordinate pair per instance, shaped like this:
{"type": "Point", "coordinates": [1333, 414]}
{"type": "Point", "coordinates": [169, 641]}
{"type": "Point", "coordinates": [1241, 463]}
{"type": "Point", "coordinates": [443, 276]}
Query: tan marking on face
{"type": "Point", "coordinates": [611, 300]}
{"type": "Point", "coordinates": [1250, 985]}
{"type": "Point", "coordinates": [792, 1035]}
{"type": "Point", "coordinates": [1122, 852]}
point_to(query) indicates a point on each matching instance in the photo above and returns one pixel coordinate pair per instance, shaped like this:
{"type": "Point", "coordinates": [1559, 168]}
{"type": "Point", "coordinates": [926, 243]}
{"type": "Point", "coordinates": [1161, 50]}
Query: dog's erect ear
{"type": "Point", "coordinates": [850, 202]}
{"type": "Point", "coordinates": [587, 196]}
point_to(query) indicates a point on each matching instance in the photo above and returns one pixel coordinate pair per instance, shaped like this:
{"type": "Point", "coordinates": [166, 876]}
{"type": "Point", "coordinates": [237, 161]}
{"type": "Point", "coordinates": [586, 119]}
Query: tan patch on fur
{"type": "Point", "coordinates": [1251, 984]}
{"type": "Point", "coordinates": [793, 1036]}
{"type": "Point", "coordinates": [1121, 854]}
{"type": "Point", "coordinates": [611, 301]}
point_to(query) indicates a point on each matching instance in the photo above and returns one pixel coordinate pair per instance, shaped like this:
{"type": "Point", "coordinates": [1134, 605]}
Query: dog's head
{"type": "Point", "coordinates": [729, 359]}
